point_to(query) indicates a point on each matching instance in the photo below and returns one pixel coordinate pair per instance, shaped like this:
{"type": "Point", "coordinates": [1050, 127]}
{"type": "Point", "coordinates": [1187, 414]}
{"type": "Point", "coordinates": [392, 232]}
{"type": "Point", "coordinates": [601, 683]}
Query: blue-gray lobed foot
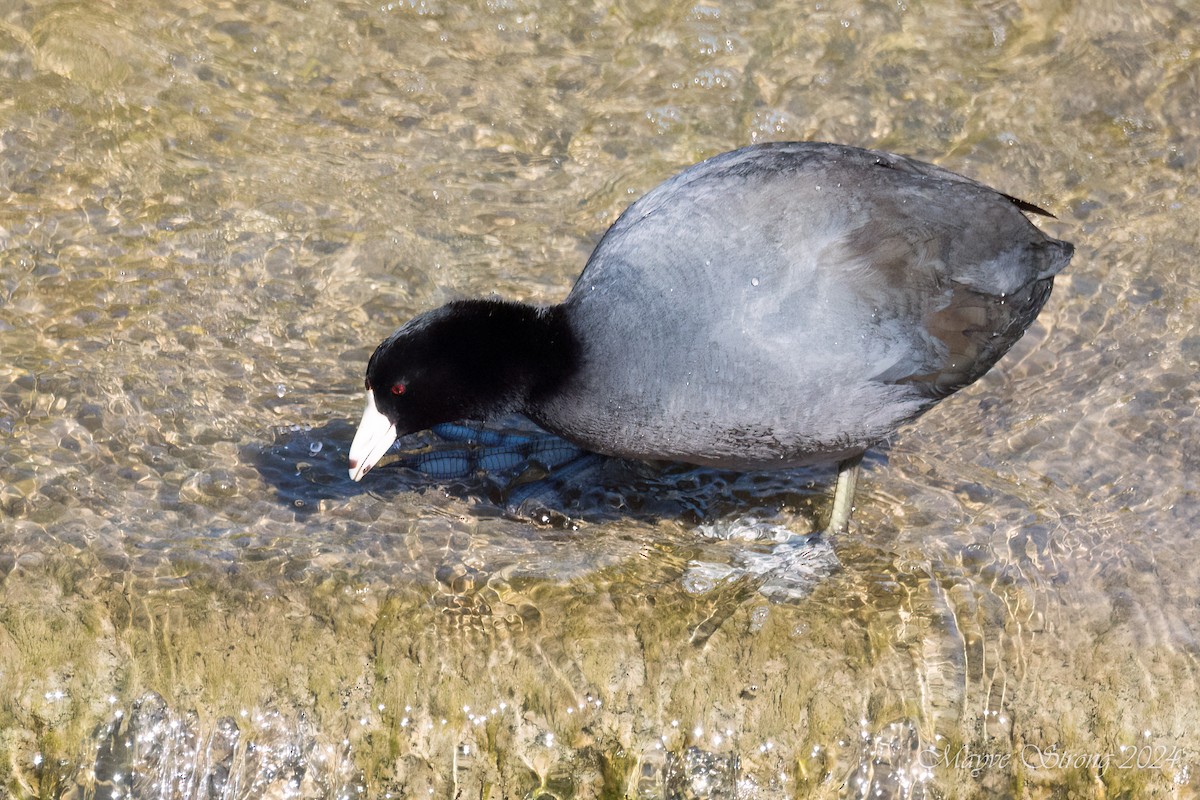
{"type": "Point", "coordinates": [530, 465]}
{"type": "Point", "coordinates": [540, 475]}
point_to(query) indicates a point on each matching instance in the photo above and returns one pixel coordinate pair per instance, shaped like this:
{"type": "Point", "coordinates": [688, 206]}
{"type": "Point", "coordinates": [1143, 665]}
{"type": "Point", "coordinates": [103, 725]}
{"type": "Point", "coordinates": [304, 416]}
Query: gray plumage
{"type": "Point", "coordinates": [793, 303]}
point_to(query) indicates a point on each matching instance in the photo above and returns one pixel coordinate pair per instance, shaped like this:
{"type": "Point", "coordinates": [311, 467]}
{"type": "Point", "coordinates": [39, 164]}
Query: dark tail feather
{"type": "Point", "coordinates": [1028, 207]}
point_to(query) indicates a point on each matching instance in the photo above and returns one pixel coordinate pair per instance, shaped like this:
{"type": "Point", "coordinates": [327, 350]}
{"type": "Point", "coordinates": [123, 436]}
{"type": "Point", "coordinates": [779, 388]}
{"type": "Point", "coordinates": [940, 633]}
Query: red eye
{"type": "Point", "coordinates": [399, 388]}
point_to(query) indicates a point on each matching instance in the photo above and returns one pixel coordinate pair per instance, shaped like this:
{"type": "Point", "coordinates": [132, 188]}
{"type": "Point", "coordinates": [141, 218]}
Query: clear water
{"type": "Point", "coordinates": [211, 212]}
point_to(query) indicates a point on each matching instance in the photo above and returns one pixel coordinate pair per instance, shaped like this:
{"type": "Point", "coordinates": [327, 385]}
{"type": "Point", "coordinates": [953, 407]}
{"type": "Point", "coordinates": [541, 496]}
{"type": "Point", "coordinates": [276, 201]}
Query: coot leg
{"type": "Point", "coordinates": [843, 495]}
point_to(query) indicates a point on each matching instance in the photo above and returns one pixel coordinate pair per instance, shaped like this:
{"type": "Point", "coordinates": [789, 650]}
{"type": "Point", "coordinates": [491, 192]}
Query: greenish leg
{"type": "Point", "coordinates": [843, 495]}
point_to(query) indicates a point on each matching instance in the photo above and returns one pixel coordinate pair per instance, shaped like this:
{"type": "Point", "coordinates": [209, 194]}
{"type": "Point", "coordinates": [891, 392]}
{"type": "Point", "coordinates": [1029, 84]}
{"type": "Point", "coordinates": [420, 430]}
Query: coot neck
{"type": "Point", "coordinates": [533, 347]}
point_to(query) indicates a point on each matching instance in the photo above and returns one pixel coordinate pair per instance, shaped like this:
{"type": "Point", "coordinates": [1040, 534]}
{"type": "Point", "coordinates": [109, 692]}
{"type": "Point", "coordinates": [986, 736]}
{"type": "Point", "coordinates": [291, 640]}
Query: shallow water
{"type": "Point", "coordinates": [211, 212]}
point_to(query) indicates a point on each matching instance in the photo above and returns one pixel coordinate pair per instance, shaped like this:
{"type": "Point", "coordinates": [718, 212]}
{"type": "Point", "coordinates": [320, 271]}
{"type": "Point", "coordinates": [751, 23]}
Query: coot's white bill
{"type": "Point", "coordinates": [376, 433]}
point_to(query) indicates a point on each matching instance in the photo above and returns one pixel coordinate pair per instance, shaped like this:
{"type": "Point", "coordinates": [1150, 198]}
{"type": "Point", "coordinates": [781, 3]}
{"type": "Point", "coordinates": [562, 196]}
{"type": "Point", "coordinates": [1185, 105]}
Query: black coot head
{"type": "Point", "coordinates": [455, 362]}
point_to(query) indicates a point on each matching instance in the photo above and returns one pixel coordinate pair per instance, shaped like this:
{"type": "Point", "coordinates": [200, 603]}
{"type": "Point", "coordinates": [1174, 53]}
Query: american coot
{"type": "Point", "coordinates": [778, 305]}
